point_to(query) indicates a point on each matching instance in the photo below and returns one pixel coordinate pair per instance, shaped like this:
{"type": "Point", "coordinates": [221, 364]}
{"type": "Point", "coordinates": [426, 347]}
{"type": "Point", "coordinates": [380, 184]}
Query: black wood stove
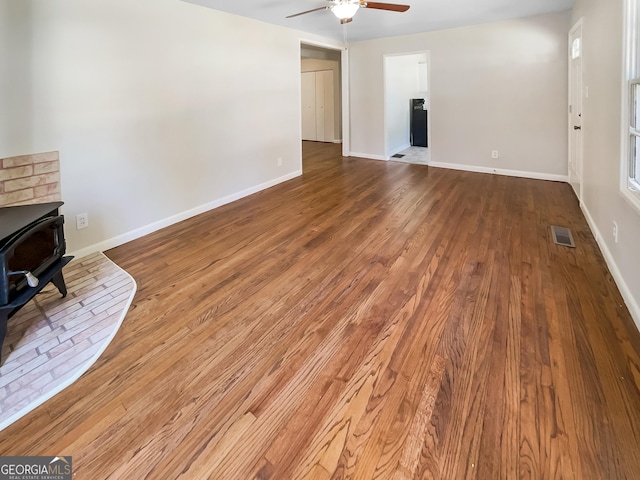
{"type": "Point", "coordinates": [32, 249]}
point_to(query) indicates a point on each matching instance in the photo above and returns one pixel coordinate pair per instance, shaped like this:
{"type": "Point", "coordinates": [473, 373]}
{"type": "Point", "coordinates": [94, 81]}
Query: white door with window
{"type": "Point", "coordinates": [575, 109]}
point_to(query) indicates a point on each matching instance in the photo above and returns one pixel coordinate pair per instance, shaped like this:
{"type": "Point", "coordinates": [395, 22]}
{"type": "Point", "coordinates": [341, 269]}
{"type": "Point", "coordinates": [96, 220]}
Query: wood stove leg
{"type": "Point", "coordinates": [4, 320]}
{"type": "Point", "coordinates": [58, 281]}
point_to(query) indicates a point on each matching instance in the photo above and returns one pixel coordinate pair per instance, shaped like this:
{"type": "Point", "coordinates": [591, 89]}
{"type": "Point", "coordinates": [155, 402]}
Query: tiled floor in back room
{"type": "Point", "coordinates": [53, 340]}
{"type": "Point", "coordinates": [417, 155]}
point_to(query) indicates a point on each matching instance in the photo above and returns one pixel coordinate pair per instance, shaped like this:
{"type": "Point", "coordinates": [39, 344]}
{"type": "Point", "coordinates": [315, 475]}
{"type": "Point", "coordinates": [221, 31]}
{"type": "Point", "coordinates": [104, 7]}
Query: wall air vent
{"type": "Point", "coordinates": [562, 236]}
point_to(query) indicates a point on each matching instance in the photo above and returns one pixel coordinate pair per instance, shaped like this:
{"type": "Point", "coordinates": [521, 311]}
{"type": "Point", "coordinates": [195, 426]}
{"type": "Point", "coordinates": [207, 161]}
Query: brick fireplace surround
{"type": "Point", "coordinates": [30, 179]}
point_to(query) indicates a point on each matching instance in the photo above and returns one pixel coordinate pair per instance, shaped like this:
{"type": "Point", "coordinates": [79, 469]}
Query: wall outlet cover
{"type": "Point", "coordinates": [82, 221]}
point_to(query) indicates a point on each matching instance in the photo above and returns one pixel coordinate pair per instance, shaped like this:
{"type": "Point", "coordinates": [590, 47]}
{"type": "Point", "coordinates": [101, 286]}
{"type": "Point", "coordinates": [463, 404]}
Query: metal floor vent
{"type": "Point", "coordinates": [397, 155]}
{"type": "Point", "coordinates": [562, 236]}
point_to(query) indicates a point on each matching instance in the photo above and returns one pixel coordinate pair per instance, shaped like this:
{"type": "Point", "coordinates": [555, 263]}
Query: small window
{"type": "Point", "coordinates": [630, 168]}
{"type": "Point", "coordinates": [576, 48]}
{"type": "Point", "coordinates": [634, 132]}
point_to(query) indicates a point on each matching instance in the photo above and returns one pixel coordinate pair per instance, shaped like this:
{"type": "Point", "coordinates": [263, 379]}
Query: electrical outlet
{"type": "Point", "coordinates": [82, 221]}
{"type": "Point", "coordinates": [495, 154]}
{"type": "Point", "coordinates": [279, 161]}
{"type": "Point", "coordinates": [615, 231]}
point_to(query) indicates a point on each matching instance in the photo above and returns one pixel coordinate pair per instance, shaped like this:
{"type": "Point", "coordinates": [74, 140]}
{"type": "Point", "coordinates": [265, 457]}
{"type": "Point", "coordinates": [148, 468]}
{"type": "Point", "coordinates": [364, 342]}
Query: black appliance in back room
{"type": "Point", "coordinates": [418, 123]}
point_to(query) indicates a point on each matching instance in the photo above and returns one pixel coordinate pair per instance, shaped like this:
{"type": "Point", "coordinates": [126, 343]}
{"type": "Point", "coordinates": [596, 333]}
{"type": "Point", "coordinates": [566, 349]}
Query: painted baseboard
{"type": "Point", "coordinates": [336, 141]}
{"type": "Point", "coordinates": [368, 156]}
{"type": "Point", "coordinates": [625, 291]}
{"type": "Point", "coordinates": [501, 171]}
{"type": "Point", "coordinates": [152, 227]}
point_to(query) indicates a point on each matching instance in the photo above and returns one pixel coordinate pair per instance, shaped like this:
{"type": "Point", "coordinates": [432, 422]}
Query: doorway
{"type": "Point", "coordinates": [575, 109]}
{"type": "Point", "coordinates": [407, 107]}
{"type": "Point", "coordinates": [323, 94]}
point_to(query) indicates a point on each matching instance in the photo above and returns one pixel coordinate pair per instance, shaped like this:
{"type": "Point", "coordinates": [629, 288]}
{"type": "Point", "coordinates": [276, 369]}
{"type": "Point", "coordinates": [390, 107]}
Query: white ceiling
{"type": "Point", "coordinates": [423, 16]}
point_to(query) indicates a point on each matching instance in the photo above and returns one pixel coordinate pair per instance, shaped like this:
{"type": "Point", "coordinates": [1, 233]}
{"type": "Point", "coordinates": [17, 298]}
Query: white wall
{"type": "Point", "coordinates": [498, 86]}
{"type": "Point", "coordinates": [602, 201]}
{"type": "Point", "coordinates": [316, 65]}
{"type": "Point", "coordinates": [159, 108]}
{"type": "Point", "coordinates": [16, 77]}
{"type": "Point", "coordinates": [401, 85]}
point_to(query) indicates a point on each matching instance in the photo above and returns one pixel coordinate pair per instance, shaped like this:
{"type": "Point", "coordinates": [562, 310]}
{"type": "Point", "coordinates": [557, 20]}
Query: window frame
{"type": "Point", "coordinates": [630, 127]}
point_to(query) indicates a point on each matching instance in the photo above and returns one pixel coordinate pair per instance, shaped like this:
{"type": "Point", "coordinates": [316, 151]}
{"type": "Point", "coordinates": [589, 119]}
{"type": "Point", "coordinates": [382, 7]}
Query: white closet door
{"type": "Point", "coordinates": [320, 108]}
{"type": "Point", "coordinates": [309, 106]}
{"type": "Point", "coordinates": [329, 107]}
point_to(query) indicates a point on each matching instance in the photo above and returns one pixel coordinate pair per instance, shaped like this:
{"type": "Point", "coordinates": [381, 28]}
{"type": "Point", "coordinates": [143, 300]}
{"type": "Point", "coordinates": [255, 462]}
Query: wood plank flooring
{"type": "Point", "coordinates": [368, 320]}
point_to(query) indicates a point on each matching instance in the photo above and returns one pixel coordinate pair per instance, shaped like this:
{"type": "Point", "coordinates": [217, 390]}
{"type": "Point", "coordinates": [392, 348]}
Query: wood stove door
{"type": "Point", "coordinates": [34, 250]}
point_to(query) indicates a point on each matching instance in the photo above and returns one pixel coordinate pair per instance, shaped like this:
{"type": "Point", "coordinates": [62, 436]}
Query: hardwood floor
{"type": "Point", "coordinates": [368, 320]}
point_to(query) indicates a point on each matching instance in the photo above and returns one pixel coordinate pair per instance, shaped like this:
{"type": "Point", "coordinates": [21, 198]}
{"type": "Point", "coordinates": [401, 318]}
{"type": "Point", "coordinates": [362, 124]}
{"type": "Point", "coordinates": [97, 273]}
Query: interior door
{"type": "Point", "coordinates": [309, 106]}
{"type": "Point", "coordinates": [575, 109]}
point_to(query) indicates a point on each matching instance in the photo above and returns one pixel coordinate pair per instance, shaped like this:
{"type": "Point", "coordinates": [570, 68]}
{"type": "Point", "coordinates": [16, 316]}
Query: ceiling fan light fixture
{"type": "Point", "coordinates": [345, 10]}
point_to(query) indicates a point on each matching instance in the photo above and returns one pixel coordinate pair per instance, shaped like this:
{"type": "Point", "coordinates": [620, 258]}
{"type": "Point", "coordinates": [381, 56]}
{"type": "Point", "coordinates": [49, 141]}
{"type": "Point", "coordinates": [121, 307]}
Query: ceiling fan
{"type": "Point", "coordinates": [346, 9]}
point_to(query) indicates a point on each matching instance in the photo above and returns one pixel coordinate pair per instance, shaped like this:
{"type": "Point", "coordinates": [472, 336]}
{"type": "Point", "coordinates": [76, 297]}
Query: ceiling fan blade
{"type": "Point", "coordinates": [386, 6]}
{"type": "Point", "coordinates": [308, 11]}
